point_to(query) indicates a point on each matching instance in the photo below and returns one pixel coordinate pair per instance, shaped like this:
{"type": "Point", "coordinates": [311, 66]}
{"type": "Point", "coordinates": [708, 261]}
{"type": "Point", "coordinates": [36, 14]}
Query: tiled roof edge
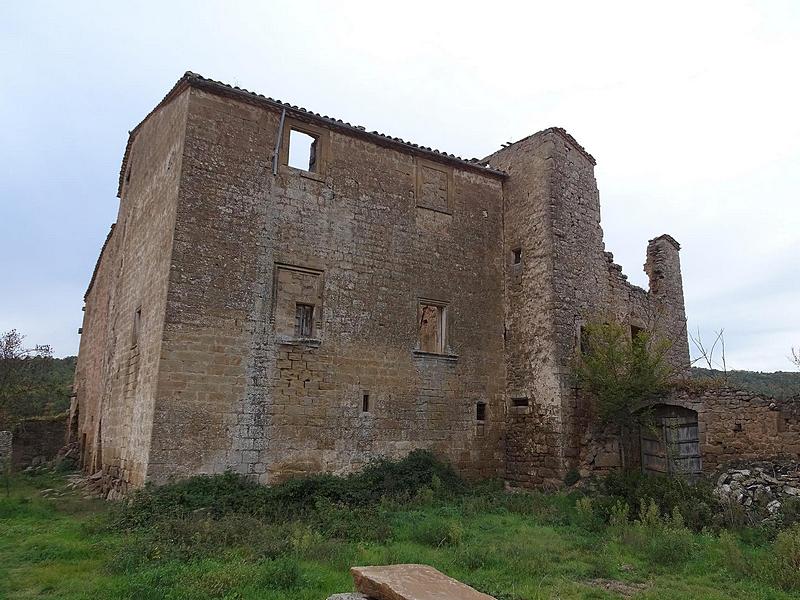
{"type": "Point", "coordinates": [220, 88]}
{"type": "Point", "coordinates": [97, 264]}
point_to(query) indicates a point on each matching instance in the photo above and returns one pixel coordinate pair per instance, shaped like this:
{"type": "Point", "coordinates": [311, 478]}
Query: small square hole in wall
{"type": "Point", "coordinates": [519, 402]}
{"type": "Point", "coordinates": [738, 427]}
{"type": "Point", "coordinates": [365, 402]}
{"type": "Point", "coordinates": [480, 412]}
{"type": "Point", "coordinates": [302, 151]}
{"type": "Point", "coordinates": [517, 255]}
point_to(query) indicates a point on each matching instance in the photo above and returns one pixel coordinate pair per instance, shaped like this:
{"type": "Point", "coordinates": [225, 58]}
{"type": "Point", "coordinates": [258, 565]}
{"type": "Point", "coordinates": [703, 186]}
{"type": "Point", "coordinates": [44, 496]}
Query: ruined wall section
{"type": "Point", "coordinates": [118, 361]}
{"type": "Point", "coordinates": [733, 425]}
{"type": "Point", "coordinates": [238, 392]}
{"type": "Point", "coordinates": [737, 424]}
{"type": "Point", "coordinates": [565, 281]}
{"type": "Point", "coordinates": [663, 268]}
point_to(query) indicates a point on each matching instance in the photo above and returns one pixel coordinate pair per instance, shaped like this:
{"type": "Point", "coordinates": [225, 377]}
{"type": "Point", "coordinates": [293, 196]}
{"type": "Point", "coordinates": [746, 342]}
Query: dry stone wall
{"type": "Point", "coordinates": [6, 438]}
{"type": "Point", "coordinates": [37, 441]}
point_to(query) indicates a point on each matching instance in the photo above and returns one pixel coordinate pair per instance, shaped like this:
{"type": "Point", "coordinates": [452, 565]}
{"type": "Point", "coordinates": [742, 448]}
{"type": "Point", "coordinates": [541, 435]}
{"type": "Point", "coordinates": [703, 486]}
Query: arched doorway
{"type": "Point", "coordinates": [672, 445]}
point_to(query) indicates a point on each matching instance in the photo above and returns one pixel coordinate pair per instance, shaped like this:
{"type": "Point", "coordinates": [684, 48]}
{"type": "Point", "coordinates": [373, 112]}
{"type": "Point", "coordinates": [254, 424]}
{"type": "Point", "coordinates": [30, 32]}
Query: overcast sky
{"type": "Point", "coordinates": [691, 110]}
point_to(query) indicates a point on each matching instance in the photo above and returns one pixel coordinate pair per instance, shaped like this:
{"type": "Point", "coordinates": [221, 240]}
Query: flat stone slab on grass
{"type": "Point", "coordinates": [411, 582]}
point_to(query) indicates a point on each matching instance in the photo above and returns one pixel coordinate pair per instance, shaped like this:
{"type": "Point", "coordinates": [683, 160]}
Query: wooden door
{"type": "Point", "coordinates": [673, 445]}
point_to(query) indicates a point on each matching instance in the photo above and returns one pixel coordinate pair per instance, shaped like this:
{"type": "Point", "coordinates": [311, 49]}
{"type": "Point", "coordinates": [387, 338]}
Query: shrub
{"type": "Point", "coordinates": [219, 495]}
{"type": "Point", "coordinates": [586, 516]}
{"type": "Point", "coordinates": [785, 565]}
{"type": "Point", "coordinates": [665, 540]}
{"type": "Point", "coordinates": [695, 500]}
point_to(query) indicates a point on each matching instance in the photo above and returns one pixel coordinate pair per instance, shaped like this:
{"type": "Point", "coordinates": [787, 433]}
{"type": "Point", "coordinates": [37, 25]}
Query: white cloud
{"type": "Point", "coordinates": [689, 108]}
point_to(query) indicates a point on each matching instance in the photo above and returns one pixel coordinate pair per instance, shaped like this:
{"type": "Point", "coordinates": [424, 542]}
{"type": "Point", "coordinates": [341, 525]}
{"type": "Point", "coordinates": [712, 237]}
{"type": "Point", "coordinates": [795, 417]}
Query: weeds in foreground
{"type": "Point", "coordinates": [200, 539]}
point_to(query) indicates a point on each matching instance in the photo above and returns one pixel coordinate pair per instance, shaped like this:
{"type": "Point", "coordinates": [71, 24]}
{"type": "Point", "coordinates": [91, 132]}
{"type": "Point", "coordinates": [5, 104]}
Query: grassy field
{"type": "Point", "coordinates": [513, 546]}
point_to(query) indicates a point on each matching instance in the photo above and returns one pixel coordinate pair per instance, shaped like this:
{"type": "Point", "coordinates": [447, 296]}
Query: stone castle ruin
{"type": "Point", "coordinates": [284, 293]}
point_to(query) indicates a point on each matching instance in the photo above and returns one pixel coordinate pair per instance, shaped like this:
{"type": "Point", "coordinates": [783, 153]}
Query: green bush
{"type": "Point", "coordinates": [785, 565]}
{"type": "Point", "coordinates": [695, 500]}
{"type": "Point", "coordinates": [280, 574]}
{"type": "Point", "coordinates": [218, 495]}
{"type": "Point", "coordinates": [664, 540]}
{"type": "Point", "coordinates": [586, 516]}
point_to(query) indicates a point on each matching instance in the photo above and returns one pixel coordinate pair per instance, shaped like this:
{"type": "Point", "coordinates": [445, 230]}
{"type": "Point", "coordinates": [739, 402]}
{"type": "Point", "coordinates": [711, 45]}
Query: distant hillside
{"type": "Point", "coordinates": [781, 384]}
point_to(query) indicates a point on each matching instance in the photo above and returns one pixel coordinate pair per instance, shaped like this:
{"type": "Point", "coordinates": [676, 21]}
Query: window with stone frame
{"type": "Point", "coordinates": [297, 303]}
{"type": "Point", "coordinates": [432, 327]}
{"type": "Point", "coordinates": [434, 189]}
{"type": "Point", "coordinates": [304, 149]}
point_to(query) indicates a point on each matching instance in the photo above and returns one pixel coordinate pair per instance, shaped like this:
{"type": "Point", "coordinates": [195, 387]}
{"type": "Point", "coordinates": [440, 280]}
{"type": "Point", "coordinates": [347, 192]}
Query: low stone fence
{"type": "Point", "coordinates": [37, 441]}
{"type": "Point", "coordinates": [762, 489]}
{"type": "Point", "coordinates": [5, 448]}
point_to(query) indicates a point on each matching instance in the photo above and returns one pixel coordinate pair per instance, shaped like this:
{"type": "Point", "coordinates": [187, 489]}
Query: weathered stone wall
{"type": "Point", "coordinates": [120, 349]}
{"type": "Point", "coordinates": [237, 393]}
{"type": "Point", "coordinates": [446, 300]}
{"type": "Point", "coordinates": [37, 441]}
{"type": "Point", "coordinates": [741, 425]}
{"type": "Point", "coordinates": [734, 425]}
{"type": "Point", "coordinates": [564, 281]}
{"type": "Point", "coordinates": [6, 439]}
{"type": "Point", "coordinates": [533, 450]}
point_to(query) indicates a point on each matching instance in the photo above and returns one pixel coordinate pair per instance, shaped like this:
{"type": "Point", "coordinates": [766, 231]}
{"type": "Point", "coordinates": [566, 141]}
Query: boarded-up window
{"type": "Point", "coordinates": [434, 186]}
{"type": "Point", "coordinates": [672, 445]}
{"type": "Point", "coordinates": [431, 327]}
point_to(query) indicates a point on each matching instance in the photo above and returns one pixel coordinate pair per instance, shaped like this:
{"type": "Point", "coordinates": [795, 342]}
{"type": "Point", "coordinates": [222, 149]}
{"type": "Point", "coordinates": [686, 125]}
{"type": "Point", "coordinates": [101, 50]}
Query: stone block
{"type": "Point", "coordinates": [411, 582]}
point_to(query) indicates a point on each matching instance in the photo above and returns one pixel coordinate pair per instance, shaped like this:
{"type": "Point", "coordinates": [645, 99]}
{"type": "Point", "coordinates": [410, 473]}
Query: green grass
{"type": "Point", "coordinates": [515, 547]}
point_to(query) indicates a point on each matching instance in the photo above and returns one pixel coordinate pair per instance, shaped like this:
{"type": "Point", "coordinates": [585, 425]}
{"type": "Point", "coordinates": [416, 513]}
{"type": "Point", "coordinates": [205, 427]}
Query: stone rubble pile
{"type": "Point", "coordinates": [762, 486]}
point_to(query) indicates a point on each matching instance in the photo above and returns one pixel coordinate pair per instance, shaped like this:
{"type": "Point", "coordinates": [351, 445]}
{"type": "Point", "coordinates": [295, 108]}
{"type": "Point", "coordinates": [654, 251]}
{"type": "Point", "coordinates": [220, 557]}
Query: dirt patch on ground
{"type": "Point", "coordinates": [626, 590]}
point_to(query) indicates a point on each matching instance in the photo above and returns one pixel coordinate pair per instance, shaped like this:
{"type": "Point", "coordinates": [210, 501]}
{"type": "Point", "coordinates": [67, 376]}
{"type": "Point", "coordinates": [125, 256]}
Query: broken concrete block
{"type": "Point", "coordinates": [411, 582]}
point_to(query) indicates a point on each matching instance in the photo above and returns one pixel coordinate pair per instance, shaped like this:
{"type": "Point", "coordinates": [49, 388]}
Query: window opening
{"type": "Point", "coordinates": [302, 151]}
{"type": "Point", "coordinates": [137, 326]}
{"type": "Point", "coordinates": [304, 320]}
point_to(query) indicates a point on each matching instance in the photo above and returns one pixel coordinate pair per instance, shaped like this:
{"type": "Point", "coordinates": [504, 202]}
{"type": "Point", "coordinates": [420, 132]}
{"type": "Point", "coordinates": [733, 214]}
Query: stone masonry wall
{"type": "Point", "coordinates": [734, 425]}
{"type": "Point", "coordinates": [741, 425]}
{"type": "Point", "coordinates": [37, 440]}
{"type": "Point", "coordinates": [6, 439]}
{"type": "Point", "coordinates": [565, 281]}
{"type": "Point", "coordinates": [116, 376]}
{"type": "Point", "coordinates": [234, 394]}
{"type": "Point", "coordinates": [534, 421]}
